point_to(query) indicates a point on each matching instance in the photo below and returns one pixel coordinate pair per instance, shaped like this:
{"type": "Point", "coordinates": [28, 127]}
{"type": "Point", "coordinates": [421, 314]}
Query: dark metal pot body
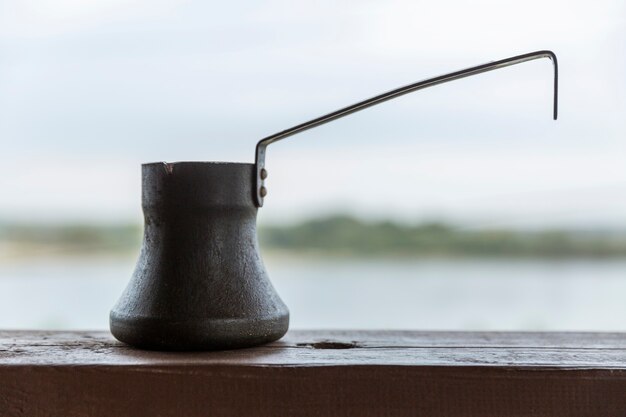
{"type": "Point", "coordinates": [199, 283]}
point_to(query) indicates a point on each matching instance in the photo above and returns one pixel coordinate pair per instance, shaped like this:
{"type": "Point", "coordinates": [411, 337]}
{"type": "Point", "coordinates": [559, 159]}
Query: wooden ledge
{"type": "Point", "coordinates": [319, 373]}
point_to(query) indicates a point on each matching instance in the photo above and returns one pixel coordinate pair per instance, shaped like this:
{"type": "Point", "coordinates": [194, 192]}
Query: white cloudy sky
{"type": "Point", "coordinates": [90, 90]}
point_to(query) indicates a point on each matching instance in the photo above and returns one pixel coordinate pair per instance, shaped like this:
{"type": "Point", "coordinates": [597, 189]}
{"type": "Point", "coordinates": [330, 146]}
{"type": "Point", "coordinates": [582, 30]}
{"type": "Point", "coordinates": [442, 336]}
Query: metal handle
{"type": "Point", "coordinates": [261, 172]}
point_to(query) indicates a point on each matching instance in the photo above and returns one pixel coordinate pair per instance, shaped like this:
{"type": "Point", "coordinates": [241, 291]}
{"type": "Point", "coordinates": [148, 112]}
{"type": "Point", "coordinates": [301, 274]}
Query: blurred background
{"type": "Point", "coordinates": [462, 207]}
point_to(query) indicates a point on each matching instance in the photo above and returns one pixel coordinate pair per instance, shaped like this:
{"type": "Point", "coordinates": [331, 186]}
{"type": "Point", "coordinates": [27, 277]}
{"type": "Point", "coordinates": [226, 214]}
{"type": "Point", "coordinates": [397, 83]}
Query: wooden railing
{"type": "Point", "coordinates": [320, 373]}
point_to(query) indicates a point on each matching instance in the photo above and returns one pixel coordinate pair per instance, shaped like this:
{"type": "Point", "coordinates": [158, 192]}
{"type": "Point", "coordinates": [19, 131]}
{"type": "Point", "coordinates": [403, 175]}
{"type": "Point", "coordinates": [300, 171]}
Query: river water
{"type": "Point", "coordinates": [356, 294]}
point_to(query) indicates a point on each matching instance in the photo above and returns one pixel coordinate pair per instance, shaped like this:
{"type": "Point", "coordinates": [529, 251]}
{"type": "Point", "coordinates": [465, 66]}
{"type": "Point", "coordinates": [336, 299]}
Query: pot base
{"type": "Point", "coordinates": [197, 335]}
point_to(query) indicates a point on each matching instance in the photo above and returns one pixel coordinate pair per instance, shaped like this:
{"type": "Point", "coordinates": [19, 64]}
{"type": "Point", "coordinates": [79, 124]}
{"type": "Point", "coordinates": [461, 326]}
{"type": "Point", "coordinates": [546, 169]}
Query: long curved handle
{"type": "Point", "coordinates": [261, 172]}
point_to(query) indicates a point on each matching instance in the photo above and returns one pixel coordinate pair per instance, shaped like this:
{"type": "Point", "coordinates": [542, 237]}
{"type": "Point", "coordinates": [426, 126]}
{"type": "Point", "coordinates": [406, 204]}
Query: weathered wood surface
{"type": "Point", "coordinates": [319, 373]}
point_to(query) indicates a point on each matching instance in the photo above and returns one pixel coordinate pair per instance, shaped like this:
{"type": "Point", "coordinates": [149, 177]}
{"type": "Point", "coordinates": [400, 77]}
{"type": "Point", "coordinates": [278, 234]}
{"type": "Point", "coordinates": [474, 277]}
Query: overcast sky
{"type": "Point", "coordinates": [89, 90]}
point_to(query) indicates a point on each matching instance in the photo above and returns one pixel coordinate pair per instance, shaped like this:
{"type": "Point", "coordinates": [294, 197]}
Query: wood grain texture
{"type": "Point", "coordinates": [319, 373]}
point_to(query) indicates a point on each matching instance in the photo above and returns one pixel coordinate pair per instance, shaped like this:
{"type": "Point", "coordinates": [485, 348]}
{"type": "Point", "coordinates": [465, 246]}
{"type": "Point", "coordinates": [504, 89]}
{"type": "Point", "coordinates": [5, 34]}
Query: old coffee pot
{"type": "Point", "coordinates": [200, 283]}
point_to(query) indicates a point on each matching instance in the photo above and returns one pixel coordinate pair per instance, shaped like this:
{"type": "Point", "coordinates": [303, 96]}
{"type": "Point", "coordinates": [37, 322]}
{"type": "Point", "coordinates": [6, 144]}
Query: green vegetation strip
{"type": "Point", "coordinates": [339, 236]}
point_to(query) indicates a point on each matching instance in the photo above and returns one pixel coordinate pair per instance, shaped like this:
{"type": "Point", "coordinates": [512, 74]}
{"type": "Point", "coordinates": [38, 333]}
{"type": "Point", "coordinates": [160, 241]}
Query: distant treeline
{"type": "Point", "coordinates": [334, 236]}
{"type": "Point", "coordinates": [20, 240]}
{"type": "Point", "coordinates": [345, 235]}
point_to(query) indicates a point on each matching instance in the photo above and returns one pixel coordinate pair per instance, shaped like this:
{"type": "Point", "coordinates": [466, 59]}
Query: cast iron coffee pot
{"type": "Point", "coordinates": [200, 283]}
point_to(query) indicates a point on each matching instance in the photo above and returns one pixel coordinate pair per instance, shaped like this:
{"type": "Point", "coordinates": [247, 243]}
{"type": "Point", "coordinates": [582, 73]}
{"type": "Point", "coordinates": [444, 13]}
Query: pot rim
{"type": "Point", "coordinates": [208, 163]}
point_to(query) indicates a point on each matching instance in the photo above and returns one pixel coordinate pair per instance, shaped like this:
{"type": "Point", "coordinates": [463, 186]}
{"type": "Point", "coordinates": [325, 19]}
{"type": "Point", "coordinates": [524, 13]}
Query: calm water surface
{"type": "Point", "coordinates": [376, 294]}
